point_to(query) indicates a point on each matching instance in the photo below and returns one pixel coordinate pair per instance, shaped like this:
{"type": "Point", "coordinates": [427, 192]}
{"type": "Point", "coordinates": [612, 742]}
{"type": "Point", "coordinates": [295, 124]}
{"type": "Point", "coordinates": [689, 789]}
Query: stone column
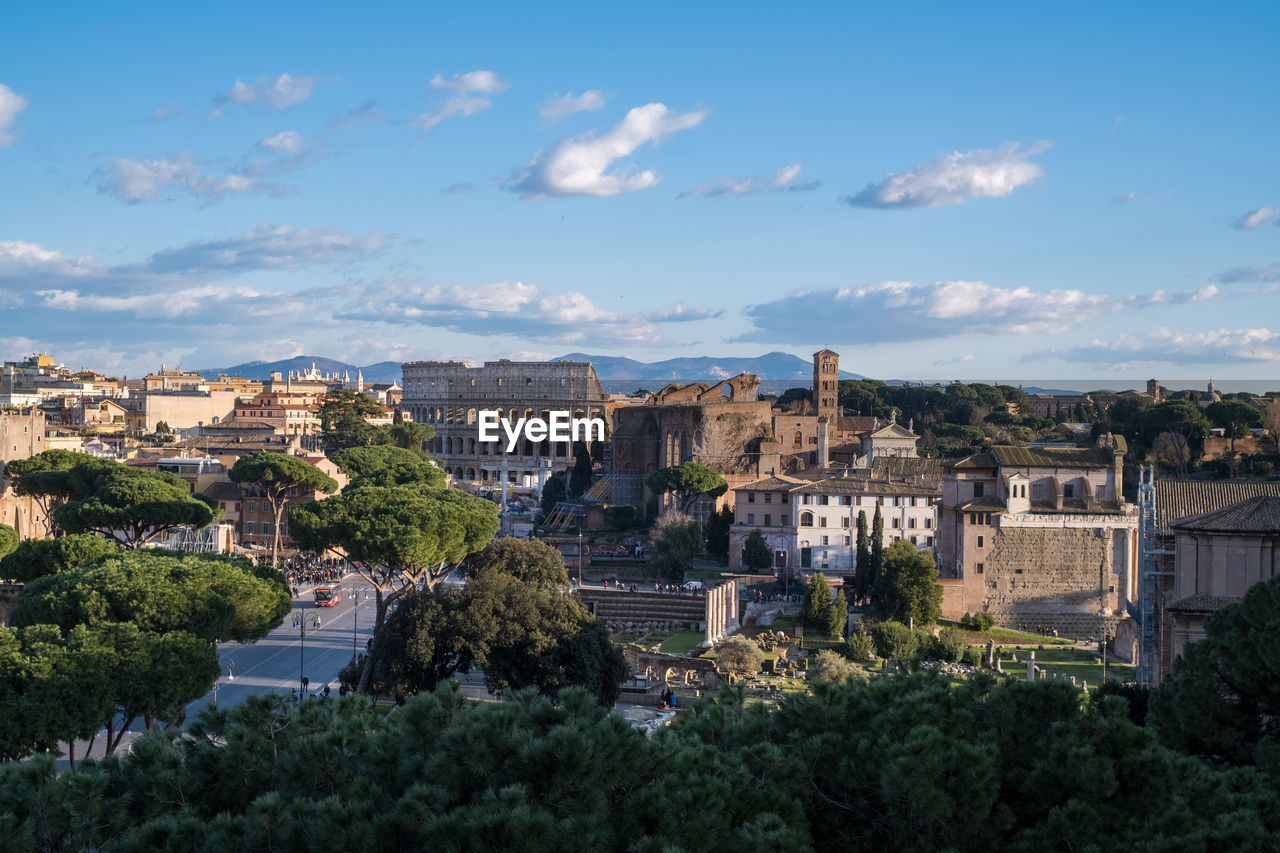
{"type": "Point", "coordinates": [1031, 665]}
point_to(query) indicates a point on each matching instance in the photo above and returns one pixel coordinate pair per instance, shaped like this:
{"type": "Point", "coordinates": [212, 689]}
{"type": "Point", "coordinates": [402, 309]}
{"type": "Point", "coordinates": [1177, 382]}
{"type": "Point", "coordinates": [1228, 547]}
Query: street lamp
{"type": "Point", "coordinates": [579, 559]}
{"type": "Point", "coordinates": [357, 594]}
{"type": "Point", "coordinates": [299, 621]}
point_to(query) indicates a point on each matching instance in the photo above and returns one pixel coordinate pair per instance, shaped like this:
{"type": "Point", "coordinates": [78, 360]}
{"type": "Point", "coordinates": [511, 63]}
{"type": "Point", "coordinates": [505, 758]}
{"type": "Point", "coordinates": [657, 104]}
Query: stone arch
{"type": "Point", "coordinates": [685, 451]}
{"type": "Point", "coordinates": [806, 519]}
{"type": "Point", "coordinates": [471, 417]}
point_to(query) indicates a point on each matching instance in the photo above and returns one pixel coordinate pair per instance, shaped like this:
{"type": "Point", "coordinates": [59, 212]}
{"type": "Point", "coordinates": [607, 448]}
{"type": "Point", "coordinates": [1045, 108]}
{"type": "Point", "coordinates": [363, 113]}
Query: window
{"type": "Point", "coordinates": [824, 540]}
{"type": "Point", "coordinates": [473, 382]}
{"type": "Point", "coordinates": [1069, 491]}
{"type": "Point", "coordinates": [928, 540]}
{"type": "Point", "coordinates": [979, 568]}
{"type": "Point", "coordinates": [844, 522]}
{"type": "Point", "coordinates": [928, 522]}
{"type": "Point", "coordinates": [248, 528]}
{"type": "Point", "coordinates": [911, 522]}
{"type": "Point", "coordinates": [806, 519]}
{"type": "Point", "coordinates": [822, 521]}
{"type": "Point", "coordinates": [846, 540]}
{"type": "Point", "coordinates": [973, 518]}
{"type": "Point", "coordinates": [977, 490]}
{"type": "Point", "coordinates": [563, 382]}
{"type": "Point", "coordinates": [751, 518]}
{"type": "Point", "coordinates": [751, 497]}
{"type": "Point", "coordinates": [847, 500]}
{"type": "Point", "coordinates": [823, 500]}
{"type": "Point", "coordinates": [895, 502]}
{"type": "Point", "coordinates": [266, 528]}
{"type": "Point", "coordinates": [915, 541]}
{"type": "Point", "coordinates": [768, 497]}
{"type": "Point", "coordinates": [250, 506]}
{"type": "Point", "coordinates": [784, 520]}
{"type": "Point", "coordinates": [785, 497]}
{"type": "Point", "coordinates": [893, 522]}
{"type": "Point", "coordinates": [768, 520]}
{"type": "Point", "coordinates": [980, 541]}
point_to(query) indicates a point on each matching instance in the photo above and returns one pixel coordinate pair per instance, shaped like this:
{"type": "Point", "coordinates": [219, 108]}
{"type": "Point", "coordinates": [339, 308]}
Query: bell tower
{"type": "Point", "coordinates": [826, 384]}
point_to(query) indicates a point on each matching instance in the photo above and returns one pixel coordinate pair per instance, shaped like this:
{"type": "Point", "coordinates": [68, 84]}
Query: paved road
{"type": "Point", "coordinates": [273, 662]}
{"type": "Point", "coordinates": [280, 659]}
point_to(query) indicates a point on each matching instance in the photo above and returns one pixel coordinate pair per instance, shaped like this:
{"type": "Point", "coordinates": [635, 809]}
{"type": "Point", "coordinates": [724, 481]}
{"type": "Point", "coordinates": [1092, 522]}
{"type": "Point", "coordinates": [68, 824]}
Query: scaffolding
{"type": "Point", "coordinates": [213, 539]}
{"type": "Point", "coordinates": [1152, 545]}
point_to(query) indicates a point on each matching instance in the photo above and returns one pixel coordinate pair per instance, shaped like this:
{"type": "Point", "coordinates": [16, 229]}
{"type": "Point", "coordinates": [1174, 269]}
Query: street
{"type": "Point", "coordinates": [273, 662]}
{"type": "Point", "coordinates": [279, 660]}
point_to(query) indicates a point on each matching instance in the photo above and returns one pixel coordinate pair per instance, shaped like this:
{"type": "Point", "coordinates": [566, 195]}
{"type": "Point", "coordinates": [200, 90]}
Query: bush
{"type": "Point", "coordinates": [832, 668]}
{"type": "Point", "coordinates": [1262, 468]}
{"type": "Point", "coordinates": [972, 657]}
{"type": "Point", "coordinates": [948, 645]}
{"type": "Point", "coordinates": [894, 641]}
{"type": "Point", "coordinates": [738, 655]}
{"type": "Point", "coordinates": [858, 647]}
{"type": "Point", "coordinates": [983, 621]}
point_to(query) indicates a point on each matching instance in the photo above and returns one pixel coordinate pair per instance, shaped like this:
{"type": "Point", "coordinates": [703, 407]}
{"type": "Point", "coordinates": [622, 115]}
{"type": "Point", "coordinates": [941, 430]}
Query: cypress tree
{"type": "Point", "coordinates": [862, 573]}
{"type": "Point", "coordinates": [877, 552]}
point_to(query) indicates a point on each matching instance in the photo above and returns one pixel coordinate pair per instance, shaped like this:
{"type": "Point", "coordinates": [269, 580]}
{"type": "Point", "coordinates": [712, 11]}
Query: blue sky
{"type": "Point", "coordinates": [934, 190]}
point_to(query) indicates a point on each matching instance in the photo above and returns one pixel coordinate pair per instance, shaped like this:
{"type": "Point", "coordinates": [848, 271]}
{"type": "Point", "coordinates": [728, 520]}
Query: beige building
{"type": "Point", "coordinates": [1218, 555]}
{"type": "Point", "coordinates": [21, 436]}
{"type": "Point", "coordinates": [812, 524]}
{"type": "Point", "coordinates": [1042, 539]}
{"type": "Point", "coordinates": [181, 410]}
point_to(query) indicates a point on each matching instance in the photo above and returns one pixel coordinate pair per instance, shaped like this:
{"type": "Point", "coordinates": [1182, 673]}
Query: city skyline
{"type": "Point", "coordinates": [1026, 192]}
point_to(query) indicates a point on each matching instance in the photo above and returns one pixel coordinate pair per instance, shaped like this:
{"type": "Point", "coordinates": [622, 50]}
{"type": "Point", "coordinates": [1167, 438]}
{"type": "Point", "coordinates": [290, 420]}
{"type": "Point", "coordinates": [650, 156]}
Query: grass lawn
{"type": "Point", "coordinates": [1005, 636]}
{"type": "Point", "coordinates": [1068, 662]}
{"type": "Point", "coordinates": [681, 642]}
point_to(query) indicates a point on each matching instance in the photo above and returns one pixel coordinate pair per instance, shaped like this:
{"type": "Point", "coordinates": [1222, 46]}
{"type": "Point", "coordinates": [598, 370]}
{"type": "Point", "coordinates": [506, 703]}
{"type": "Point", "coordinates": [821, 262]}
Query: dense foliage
{"type": "Point", "coordinates": [277, 477]}
{"type": "Point", "coordinates": [686, 483]}
{"type": "Point", "coordinates": [123, 636]}
{"type": "Point", "coordinates": [907, 763]}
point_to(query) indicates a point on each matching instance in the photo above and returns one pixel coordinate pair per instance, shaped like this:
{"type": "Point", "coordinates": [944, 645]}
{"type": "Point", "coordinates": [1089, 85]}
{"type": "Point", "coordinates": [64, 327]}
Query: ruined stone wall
{"type": "Point", "coordinates": [1048, 570]}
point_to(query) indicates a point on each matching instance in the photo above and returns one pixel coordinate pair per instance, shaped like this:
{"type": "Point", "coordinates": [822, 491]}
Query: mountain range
{"type": "Point", "coordinates": [770, 367]}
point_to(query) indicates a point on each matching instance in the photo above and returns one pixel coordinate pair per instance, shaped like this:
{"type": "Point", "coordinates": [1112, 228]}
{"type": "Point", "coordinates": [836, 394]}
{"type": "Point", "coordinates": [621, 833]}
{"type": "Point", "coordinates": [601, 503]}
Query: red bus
{"type": "Point", "coordinates": [327, 596]}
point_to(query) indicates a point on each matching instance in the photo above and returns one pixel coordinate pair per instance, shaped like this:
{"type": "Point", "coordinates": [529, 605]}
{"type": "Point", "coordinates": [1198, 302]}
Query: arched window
{"type": "Point", "coordinates": [806, 519]}
{"type": "Point", "coordinates": [799, 439]}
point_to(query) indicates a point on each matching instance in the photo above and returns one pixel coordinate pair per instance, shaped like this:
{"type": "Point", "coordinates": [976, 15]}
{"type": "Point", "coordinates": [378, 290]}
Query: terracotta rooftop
{"type": "Point", "coordinates": [1201, 603]}
{"type": "Point", "coordinates": [1256, 515]}
{"type": "Point", "coordinates": [1032, 457]}
{"type": "Point", "coordinates": [770, 484]}
{"type": "Point", "coordinates": [1177, 499]}
{"type": "Point", "coordinates": [863, 486]}
{"type": "Point", "coordinates": [977, 460]}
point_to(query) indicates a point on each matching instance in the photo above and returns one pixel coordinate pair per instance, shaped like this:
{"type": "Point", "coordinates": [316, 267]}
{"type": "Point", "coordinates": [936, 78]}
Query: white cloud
{"type": "Point", "coordinates": [458, 105]}
{"type": "Point", "coordinates": [955, 178]}
{"type": "Point", "coordinates": [289, 140]}
{"type": "Point", "coordinates": [679, 314]}
{"type": "Point", "coordinates": [1247, 222]}
{"type": "Point", "coordinates": [905, 311]}
{"type": "Point", "coordinates": [21, 262]}
{"type": "Point", "coordinates": [1216, 346]}
{"type": "Point", "coordinates": [782, 180]}
{"type": "Point", "coordinates": [283, 92]}
{"type": "Point", "coordinates": [577, 165]}
{"type": "Point", "coordinates": [513, 309]}
{"type": "Point", "coordinates": [562, 105]}
{"type": "Point", "coordinates": [1135, 196]}
{"type": "Point", "coordinates": [179, 303]}
{"type": "Point", "coordinates": [9, 300]}
{"type": "Point", "coordinates": [472, 81]}
{"type": "Point", "coordinates": [11, 103]}
{"type": "Point", "coordinates": [27, 266]}
{"type": "Point", "coordinates": [1266, 275]}
{"type": "Point", "coordinates": [136, 181]}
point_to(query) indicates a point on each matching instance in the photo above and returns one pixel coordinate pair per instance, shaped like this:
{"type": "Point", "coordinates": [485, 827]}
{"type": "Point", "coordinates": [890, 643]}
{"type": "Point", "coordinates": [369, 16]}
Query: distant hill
{"type": "Point", "coordinates": [770, 367]}
{"type": "Point", "coordinates": [773, 366]}
{"type": "Point", "coordinates": [382, 371]}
